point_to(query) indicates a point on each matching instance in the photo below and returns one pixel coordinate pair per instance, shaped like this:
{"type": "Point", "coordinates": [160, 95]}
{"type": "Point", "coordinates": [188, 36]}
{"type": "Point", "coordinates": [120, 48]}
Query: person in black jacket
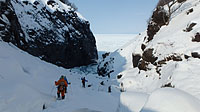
{"type": "Point", "coordinates": [83, 81]}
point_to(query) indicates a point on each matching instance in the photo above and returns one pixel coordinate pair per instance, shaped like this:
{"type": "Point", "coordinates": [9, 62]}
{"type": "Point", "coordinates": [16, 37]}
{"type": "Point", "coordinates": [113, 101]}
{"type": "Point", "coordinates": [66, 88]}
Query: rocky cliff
{"type": "Point", "coordinates": [167, 54]}
{"type": "Point", "coordinates": [48, 29]}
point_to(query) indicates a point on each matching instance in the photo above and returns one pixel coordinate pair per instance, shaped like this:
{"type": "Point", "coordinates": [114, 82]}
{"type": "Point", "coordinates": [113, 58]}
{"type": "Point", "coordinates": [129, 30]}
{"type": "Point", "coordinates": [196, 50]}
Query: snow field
{"type": "Point", "coordinates": [171, 100]}
{"type": "Point", "coordinates": [26, 83]}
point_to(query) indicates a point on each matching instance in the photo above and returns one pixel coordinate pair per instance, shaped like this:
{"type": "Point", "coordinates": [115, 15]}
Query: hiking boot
{"type": "Point", "coordinates": [63, 97]}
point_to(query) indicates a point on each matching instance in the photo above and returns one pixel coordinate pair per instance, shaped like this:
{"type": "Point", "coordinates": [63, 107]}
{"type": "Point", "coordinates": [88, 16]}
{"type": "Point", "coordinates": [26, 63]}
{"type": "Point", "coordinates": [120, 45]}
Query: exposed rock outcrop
{"type": "Point", "coordinates": [135, 59]}
{"type": "Point", "coordinates": [158, 19]}
{"type": "Point", "coordinates": [52, 31]}
{"type": "Point", "coordinates": [196, 37]}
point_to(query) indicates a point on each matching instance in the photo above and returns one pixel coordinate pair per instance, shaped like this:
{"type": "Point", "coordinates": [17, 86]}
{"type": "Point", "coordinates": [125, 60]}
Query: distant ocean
{"type": "Point", "coordinates": [111, 42]}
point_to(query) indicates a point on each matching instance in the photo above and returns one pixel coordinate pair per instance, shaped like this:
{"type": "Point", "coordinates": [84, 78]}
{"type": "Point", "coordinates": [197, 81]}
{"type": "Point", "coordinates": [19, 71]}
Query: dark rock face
{"type": "Point", "coordinates": [158, 19]}
{"type": "Point", "coordinates": [143, 47]}
{"type": "Point", "coordinates": [168, 85]}
{"type": "Point", "coordinates": [143, 65]}
{"type": "Point", "coordinates": [196, 38]}
{"type": "Point", "coordinates": [186, 56]}
{"type": "Point", "coordinates": [195, 55]}
{"type": "Point", "coordinates": [135, 59]}
{"type": "Point", "coordinates": [52, 32]}
{"type": "Point", "coordinates": [148, 56]}
{"type": "Point", "coordinates": [180, 1]}
{"type": "Point", "coordinates": [119, 76]}
{"type": "Point", "coordinates": [105, 68]}
{"type": "Point", "coordinates": [10, 28]}
{"type": "Point", "coordinates": [190, 27]}
{"type": "Point", "coordinates": [189, 11]}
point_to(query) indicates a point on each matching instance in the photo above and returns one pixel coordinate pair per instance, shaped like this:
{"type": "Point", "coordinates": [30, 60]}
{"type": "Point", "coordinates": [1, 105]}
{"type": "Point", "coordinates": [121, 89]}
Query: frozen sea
{"type": "Point", "coordinates": [111, 42]}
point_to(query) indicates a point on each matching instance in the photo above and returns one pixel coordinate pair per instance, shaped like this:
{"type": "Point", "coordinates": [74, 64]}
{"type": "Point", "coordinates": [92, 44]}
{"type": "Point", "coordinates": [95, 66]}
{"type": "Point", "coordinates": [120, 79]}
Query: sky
{"type": "Point", "coordinates": [116, 16]}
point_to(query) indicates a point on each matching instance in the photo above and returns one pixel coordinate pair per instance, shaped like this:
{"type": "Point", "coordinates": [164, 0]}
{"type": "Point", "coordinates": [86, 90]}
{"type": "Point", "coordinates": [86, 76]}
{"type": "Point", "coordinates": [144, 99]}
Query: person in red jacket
{"type": "Point", "coordinates": [62, 84]}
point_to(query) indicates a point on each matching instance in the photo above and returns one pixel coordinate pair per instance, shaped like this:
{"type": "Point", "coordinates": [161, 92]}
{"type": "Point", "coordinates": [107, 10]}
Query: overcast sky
{"type": "Point", "coordinates": [116, 16]}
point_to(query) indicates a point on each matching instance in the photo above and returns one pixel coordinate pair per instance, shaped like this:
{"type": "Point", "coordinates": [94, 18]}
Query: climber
{"type": "Point", "coordinates": [122, 87]}
{"type": "Point", "coordinates": [83, 81]}
{"type": "Point", "coordinates": [62, 84]}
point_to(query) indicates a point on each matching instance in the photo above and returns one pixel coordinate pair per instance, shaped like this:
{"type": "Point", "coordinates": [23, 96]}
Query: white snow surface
{"type": "Point", "coordinates": [27, 83]}
{"type": "Point", "coordinates": [171, 100]}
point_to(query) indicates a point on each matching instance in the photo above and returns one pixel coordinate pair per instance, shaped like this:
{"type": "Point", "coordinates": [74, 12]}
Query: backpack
{"type": "Point", "coordinates": [61, 86]}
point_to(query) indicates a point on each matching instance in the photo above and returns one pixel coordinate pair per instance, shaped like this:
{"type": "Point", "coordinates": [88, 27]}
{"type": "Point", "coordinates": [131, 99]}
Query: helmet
{"type": "Point", "coordinates": [61, 77]}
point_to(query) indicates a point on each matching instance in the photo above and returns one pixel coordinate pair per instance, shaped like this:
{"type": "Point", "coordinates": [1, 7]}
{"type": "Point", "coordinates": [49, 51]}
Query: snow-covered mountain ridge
{"type": "Point", "coordinates": [48, 29]}
{"type": "Point", "coordinates": [166, 55]}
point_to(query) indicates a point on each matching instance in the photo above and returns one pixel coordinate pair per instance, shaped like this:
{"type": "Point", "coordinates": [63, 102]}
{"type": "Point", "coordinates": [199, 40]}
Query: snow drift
{"type": "Point", "coordinates": [171, 100]}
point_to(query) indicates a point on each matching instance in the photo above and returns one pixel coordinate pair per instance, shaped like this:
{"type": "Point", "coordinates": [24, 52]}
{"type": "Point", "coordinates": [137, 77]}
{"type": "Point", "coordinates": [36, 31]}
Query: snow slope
{"type": "Point", "coordinates": [170, 40]}
{"type": "Point", "coordinates": [26, 83]}
{"type": "Point", "coordinates": [171, 100]}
